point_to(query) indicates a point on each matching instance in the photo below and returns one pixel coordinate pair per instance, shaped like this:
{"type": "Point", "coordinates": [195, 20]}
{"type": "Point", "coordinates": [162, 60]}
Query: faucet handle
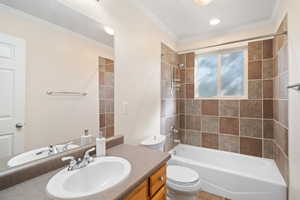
{"type": "Point", "coordinates": [52, 149]}
{"type": "Point", "coordinates": [71, 158]}
{"type": "Point", "coordinates": [177, 141]}
{"type": "Point", "coordinates": [87, 155]}
{"type": "Point", "coordinates": [90, 151]}
{"type": "Point", "coordinates": [174, 129]}
{"type": "Point", "coordinates": [73, 162]}
{"type": "Point", "coordinates": [65, 147]}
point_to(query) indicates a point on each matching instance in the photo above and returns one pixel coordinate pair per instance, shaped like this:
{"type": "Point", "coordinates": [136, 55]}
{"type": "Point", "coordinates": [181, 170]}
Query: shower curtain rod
{"type": "Point", "coordinates": [233, 42]}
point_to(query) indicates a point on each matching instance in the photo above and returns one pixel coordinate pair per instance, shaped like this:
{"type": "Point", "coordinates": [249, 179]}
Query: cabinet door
{"type": "Point", "coordinates": [140, 193]}
{"type": "Point", "coordinates": [157, 180]}
{"type": "Point", "coordinates": [161, 194]}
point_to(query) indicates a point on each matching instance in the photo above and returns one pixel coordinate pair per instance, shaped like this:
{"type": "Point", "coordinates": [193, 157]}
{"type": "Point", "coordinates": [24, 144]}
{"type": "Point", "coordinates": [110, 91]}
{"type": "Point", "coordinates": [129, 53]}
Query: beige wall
{"type": "Point", "coordinates": [137, 65]}
{"type": "Point", "coordinates": [138, 60]}
{"type": "Point", "coordinates": [57, 59]}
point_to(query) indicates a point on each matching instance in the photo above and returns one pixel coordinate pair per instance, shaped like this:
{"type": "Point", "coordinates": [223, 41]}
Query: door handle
{"type": "Point", "coordinates": [19, 125]}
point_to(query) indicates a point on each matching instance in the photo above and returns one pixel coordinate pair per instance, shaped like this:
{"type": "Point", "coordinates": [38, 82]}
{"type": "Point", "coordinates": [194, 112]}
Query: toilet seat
{"type": "Point", "coordinates": [183, 179]}
{"type": "Point", "coordinates": [182, 175]}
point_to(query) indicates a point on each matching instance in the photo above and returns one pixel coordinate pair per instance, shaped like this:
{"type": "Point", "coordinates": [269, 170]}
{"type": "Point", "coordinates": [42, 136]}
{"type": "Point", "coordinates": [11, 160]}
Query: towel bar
{"type": "Point", "coordinates": [52, 93]}
{"type": "Point", "coordinates": [295, 86]}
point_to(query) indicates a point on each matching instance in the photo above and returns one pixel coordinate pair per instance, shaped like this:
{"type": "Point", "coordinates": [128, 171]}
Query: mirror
{"type": "Point", "coordinates": [56, 80]}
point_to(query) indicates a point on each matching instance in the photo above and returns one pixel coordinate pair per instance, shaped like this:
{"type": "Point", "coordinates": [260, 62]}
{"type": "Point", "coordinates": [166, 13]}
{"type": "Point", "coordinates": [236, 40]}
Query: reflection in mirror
{"type": "Point", "coordinates": [55, 64]}
{"type": "Point", "coordinates": [39, 153]}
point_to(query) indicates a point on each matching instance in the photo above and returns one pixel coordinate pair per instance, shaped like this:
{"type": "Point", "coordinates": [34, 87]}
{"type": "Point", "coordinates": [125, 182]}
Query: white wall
{"type": "Point", "coordinates": [137, 65]}
{"type": "Point", "coordinates": [294, 97]}
{"type": "Point", "coordinates": [58, 60]}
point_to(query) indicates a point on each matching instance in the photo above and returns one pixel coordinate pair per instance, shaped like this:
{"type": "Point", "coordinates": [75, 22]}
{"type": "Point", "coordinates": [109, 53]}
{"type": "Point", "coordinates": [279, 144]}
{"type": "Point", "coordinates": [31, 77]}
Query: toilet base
{"type": "Point", "coordinates": [177, 195]}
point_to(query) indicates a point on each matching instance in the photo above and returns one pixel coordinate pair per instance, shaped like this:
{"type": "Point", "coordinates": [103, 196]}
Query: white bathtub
{"type": "Point", "coordinates": [232, 175]}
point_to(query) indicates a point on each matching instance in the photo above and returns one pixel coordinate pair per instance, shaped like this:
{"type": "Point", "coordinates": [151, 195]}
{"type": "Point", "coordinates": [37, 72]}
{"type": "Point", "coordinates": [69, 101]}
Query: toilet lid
{"type": "Point", "coordinates": [182, 174]}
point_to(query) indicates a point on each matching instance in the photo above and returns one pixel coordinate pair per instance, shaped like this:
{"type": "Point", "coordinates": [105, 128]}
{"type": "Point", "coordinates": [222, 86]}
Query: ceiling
{"type": "Point", "coordinates": [185, 20]}
{"type": "Point", "coordinates": [61, 15]}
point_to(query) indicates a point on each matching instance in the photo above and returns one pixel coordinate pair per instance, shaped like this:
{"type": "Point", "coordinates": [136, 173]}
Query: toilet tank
{"type": "Point", "coordinates": [156, 142]}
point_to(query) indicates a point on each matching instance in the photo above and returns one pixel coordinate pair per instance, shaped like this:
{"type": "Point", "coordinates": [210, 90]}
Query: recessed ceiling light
{"type": "Point", "coordinates": [109, 30]}
{"type": "Point", "coordinates": [214, 21]}
{"type": "Point", "coordinates": [203, 2]}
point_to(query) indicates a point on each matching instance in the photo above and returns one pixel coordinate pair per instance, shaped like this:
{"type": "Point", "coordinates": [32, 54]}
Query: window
{"type": "Point", "coordinates": [222, 74]}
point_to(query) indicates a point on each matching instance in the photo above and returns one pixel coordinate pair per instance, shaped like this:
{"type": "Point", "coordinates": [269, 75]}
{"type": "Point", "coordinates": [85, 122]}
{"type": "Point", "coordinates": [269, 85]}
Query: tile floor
{"type": "Point", "coordinates": [207, 196]}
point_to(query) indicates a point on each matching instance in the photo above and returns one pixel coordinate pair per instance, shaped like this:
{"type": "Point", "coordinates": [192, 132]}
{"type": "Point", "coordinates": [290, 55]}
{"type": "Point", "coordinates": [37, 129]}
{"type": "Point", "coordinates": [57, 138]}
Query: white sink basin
{"type": "Point", "coordinates": [98, 176]}
{"type": "Point", "coordinates": [35, 155]}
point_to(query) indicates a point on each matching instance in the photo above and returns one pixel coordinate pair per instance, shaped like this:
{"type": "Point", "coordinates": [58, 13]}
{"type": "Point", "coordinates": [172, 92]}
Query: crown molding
{"type": "Point", "coordinates": [270, 23]}
{"type": "Point", "coordinates": [279, 12]}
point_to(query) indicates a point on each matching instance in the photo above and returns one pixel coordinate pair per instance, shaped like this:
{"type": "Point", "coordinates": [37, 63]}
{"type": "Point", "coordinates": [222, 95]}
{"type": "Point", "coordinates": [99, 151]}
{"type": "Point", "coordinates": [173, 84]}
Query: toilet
{"type": "Point", "coordinates": [156, 142]}
{"type": "Point", "coordinates": [183, 183]}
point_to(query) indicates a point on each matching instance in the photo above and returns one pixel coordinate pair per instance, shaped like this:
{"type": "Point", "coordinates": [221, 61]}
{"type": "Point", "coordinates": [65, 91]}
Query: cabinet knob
{"type": "Point", "coordinates": [161, 178]}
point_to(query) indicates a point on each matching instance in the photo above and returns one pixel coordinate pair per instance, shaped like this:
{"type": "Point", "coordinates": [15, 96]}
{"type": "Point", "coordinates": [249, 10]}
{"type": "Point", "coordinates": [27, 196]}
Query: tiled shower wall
{"type": "Point", "coordinates": [106, 96]}
{"type": "Point", "coordinates": [281, 101]}
{"type": "Point", "coordinates": [240, 126]}
{"type": "Point", "coordinates": [257, 126]}
{"type": "Point", "coordinates": [169, 114]}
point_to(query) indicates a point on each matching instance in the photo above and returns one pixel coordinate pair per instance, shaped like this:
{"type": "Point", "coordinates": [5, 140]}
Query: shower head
{"type": "Point", "coordinates": [181, 66]}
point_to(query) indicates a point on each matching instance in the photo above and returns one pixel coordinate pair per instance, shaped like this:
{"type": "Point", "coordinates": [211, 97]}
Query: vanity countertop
{"type": "Point", "coordinates": [143, 161]}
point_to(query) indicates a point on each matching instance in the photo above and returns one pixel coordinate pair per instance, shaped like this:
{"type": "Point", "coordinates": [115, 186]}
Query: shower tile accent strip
{"type": "Point", "coordinates": [106, 96]}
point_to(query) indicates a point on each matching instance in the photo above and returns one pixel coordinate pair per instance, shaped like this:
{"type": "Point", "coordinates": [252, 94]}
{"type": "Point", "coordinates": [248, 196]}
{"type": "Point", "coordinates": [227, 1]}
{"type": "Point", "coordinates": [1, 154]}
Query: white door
{"type": "Point", "coordinates": [12, 95]}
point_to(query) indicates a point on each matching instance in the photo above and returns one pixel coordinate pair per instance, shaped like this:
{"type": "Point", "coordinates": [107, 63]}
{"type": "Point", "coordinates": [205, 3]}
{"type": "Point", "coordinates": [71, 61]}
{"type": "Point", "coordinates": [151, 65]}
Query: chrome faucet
{"type": "Point", "coordinates": [72, 164]}
{"type": "Point", "coordinates": [79, 163]}
{"type": "Point", "coordinates": [65, 147]}
{"type": "Point", "coordinates": [51, 150]}
{"type": "Point", "coordinates": [87, 158]}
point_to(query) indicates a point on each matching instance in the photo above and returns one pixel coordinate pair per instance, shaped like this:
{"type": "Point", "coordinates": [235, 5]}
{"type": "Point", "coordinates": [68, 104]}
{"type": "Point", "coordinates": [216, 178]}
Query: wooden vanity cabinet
{"type": "Point", "coordinates": [139, 193]}
{"type": "Point", "coordinates": [153, 188]}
